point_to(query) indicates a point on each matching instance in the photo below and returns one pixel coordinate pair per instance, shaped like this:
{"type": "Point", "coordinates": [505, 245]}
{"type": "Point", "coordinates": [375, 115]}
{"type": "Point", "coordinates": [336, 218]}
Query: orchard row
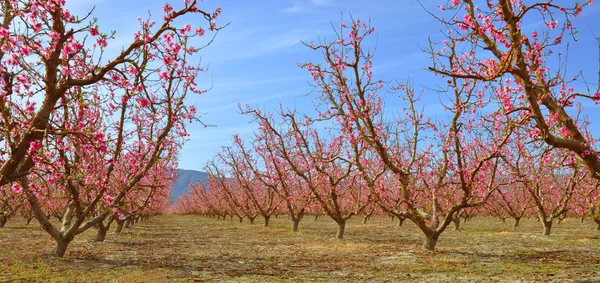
{"type": "Point", "coordinates": [88, 136]}
{"type": "Point", "coordinates": [514, 140]}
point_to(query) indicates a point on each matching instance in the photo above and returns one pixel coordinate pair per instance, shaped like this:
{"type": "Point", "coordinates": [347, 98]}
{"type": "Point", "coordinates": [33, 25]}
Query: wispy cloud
{"type": "Point", "coordinates": [301, 6]}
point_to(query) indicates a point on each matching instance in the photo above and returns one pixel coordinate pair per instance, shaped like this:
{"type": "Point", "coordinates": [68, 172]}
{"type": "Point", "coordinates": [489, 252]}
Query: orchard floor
{"type": "Point", "coordinates": [173, 248]}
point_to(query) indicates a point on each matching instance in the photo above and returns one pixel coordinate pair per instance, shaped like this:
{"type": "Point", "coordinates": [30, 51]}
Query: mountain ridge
{"type": "Point", "coordinates": [185, 178]}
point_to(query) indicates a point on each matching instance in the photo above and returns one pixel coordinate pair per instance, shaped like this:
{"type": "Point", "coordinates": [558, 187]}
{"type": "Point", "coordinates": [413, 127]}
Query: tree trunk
{"type": "Point", "coordinates": [120, 224]}
{"type": "Point", "coordinates": [240, 218]}
{"type": "Point", "coordinates": [431, 241]}
{"type": "Point", "coordinates": [267, 220]}
{"type": "Point", "coordinates": [3, 221]}
{"type": "Point", "coordinates": [547, 227]}
{"type": "Point", "coordinates": [61, 246]}
{"type": "Point", "coordinates": [316, 217]}
{"type": "Point", "coordinates": [456, 221]}
{"type": "Point", "coordinates": [101, 235]}
{"type": "Point", "coordinates": [29, 220]}
{"type": "Point", "coordinates": [597, 220]}
{"type": "Point", "coordinates": [401, 221]}
{"type": "Point", "coordinates": [365, 219]}
{"type": "Point", "coordinates": [297, 222]}
{"type": "Point", "coordinates": [517, 221]}
{"type": "Point", "coordinates": [341, 228]}
{"type": "Point", "coordinates": [251, 219]}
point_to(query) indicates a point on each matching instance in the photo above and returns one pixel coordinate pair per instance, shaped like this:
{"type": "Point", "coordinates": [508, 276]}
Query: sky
{"type": "Point", "coordinates": [254, 60]}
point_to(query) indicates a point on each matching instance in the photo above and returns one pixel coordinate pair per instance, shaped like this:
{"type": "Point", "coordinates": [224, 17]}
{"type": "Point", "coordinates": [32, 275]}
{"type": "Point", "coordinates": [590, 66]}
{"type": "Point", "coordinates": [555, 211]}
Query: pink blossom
{"type": "Point", "coordinates": [94, 31]}
{"type": "Point", "coordinates": [143, 102]}
{"type": "Point", "coordinates": [16, 188]}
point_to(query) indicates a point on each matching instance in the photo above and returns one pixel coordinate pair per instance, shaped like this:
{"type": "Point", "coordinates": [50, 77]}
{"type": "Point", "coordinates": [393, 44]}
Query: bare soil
{"type": "Point", "coordinates": [172, 248]}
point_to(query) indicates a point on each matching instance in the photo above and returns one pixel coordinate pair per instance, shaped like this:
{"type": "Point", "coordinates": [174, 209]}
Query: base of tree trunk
{"type": "Point", "coordinates": [456, 224]}
{"type": "Point", "coordinates": [101, 235]}
{"type": "Point", "coordinates": [340, 231]}
{"type": "Point", "coordinates": [61, 248]}
{"type": "Point", "coordinates": [120, 224]}
{"type": "Point", "coordinates": [296, 224]}
{"type": "Point", "coordinates": [267, 221]}
{"type": "Point", "coordinates": [547, 228]}
{"type": "Point", "coordinates": [516, 223]}
{"type": "Point", "coordinates": [401, 221]}
{"type": "Point", "coordinates": [430, 242]}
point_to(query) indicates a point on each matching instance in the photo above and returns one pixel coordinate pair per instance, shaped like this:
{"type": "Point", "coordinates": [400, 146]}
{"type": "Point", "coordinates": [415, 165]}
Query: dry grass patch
{"type": "Point", "coordinates": [173, 248]}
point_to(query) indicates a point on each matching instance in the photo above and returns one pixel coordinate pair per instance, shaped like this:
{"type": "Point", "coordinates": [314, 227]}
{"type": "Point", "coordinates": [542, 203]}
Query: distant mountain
{"type": "Point", "coordinates": [183, 181]}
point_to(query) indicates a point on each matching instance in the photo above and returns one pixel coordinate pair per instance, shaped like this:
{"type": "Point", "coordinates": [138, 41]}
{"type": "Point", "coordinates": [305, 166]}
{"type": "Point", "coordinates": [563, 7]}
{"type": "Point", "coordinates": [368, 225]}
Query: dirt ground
{"type": "Point", "coordinates": [173, 248]}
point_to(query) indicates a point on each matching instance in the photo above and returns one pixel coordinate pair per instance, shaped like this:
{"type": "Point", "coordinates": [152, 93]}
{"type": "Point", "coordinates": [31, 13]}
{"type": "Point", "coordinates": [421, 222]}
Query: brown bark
{"type": "Point", "coordinates": [456, 221]}
{"type": "Point", "coordinates": [517, 221]}
{"type": "Point", "coordinates": [61, 246]}
{"type": "Point", "coordinates": [297, 223]}
{"type": "Point", "coordinates": [120, 224]}
{"type": "Point", "coordinates": [547, 227]}
{"type": "Point", "coordinates": [401, 221]}
{"type": "Point", "coordinates": [101, 235]}
{"type": "Point", "coordinates": [341, 228]}
{"type": "Point", "coordinates": [431, 240]}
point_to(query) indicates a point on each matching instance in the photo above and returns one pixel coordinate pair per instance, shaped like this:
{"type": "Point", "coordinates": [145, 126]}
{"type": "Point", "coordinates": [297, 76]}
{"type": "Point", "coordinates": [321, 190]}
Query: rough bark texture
{"type": "Point", "coordinates": [120, 224]}
{"type": "Point", "coordinates": [547, 227]}
{"type": "Point", "coordinates": [101, 235]}
{"type": "Point", "coordinates": [61, 246]}
{"type": "Point", "coordinates": [430, 241]}
{"type": "Point", "coordinates": [341, 228]}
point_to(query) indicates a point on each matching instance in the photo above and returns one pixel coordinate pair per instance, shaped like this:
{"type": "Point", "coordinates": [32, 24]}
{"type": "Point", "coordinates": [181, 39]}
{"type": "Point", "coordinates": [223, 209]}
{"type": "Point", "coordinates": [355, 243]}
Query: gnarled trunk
{"type": "Point", "coordinates": [101, 235]}
{"type": "Point", "coordinates": [431, 240]}
{"type": "Point", "coordinates": [103, 229]}
{"type": "Point", "coordinates": [120, 224]}
{"type": "Point", "coordinates": [61, 246]}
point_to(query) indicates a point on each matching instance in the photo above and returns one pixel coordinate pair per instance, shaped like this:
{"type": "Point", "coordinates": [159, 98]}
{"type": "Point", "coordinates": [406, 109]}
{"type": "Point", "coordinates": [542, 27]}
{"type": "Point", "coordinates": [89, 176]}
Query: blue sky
{"type": "Point", "coordinates": [254, 60]}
